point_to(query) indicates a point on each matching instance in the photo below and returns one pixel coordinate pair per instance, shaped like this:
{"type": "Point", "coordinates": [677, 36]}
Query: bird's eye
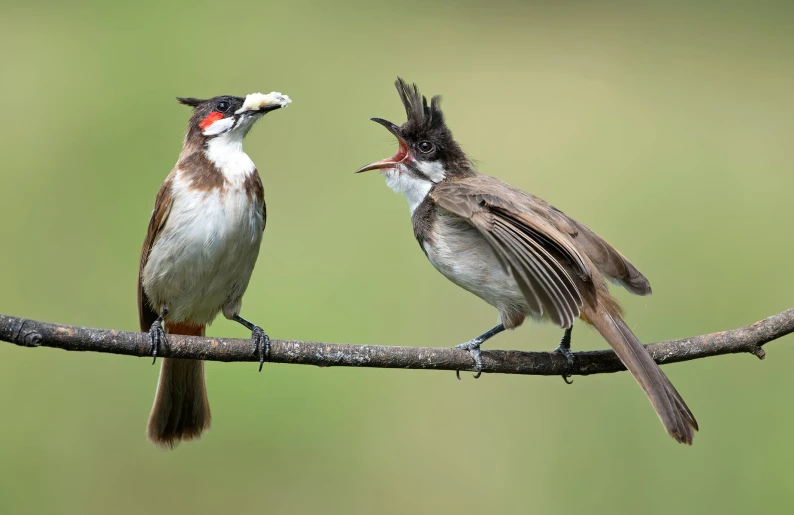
{"type": "Point", "coordinates": [223, 106]}
{"type": "Point", "coordinates": [426, 147]}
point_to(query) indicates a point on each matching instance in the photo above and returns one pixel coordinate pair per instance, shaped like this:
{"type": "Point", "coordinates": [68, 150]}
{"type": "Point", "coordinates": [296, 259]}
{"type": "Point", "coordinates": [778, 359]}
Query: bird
{"type": "Point", "coordinates": [515, 251]}
{"type": "Point", "coordinates": [199, 252]}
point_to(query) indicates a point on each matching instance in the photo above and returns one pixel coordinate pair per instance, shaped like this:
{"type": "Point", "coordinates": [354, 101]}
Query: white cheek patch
{"type": "Point", "coordinates": [256, 101]}
{"type": "Point", "coordinates": [219, 127]}
{"type": "Point", "coordinates": [433, 169]}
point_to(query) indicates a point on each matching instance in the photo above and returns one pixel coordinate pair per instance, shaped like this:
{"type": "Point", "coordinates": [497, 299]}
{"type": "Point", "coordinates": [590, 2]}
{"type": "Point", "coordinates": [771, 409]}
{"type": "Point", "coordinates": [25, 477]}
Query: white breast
{"type": "Point", "coordinates": [458, 251]}
{"type": "Point", "coordinates": [203, 257]}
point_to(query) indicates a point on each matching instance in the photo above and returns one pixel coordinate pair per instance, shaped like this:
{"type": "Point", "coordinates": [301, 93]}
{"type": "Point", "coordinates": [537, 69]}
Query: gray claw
{"type": "Point", "coordinates": [566, 351]}
{"type": "Point", "coordinates": [261, 344]}
{"type": "Point", "coordinates": [473, 348]}
{"type": "Point", "coordinates": [156, 337]}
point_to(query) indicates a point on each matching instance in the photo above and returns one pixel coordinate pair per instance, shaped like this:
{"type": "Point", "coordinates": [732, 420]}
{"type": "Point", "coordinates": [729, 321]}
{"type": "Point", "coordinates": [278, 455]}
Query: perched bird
{"type": "Point", "coordinates": [200, 251]}
{"type": "Point", "coordinates": [515, 251]}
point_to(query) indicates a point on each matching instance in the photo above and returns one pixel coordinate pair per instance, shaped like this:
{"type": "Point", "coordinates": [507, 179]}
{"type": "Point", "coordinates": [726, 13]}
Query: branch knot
{"type": "Point", "coordinates": [23, 337]}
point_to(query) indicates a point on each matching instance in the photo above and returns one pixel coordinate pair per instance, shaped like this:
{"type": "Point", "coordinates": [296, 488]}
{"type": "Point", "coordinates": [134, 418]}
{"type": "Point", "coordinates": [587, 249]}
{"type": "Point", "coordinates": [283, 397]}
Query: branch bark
{"type": "Point", "coordinates": [32, 333]}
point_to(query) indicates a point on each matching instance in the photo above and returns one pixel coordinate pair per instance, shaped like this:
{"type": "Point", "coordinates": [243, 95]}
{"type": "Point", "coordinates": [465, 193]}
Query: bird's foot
{"type": "Point", "coordinates": [564, 348]}
{"type": "Point", "coordinates": [473, 347]}
{"type": "Point", "coordinates": [156, 337]}
{"type": "Point", "coordinates": [261, 344]}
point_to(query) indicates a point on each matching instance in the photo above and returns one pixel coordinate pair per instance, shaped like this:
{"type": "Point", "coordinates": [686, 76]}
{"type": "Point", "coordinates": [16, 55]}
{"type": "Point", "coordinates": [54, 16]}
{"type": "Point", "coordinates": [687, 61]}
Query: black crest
{"type": "Point", "coordinates": [416, 108]}
{"type": "Point", "coordinates": [190, 101]}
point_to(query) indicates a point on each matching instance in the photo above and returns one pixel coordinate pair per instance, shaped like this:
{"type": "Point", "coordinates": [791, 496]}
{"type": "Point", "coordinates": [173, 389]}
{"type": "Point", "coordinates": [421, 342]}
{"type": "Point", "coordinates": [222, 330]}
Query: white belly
{"type": "Point", "coordinates": [464, 257]}
{"type": "Point", "coordinates": [203, 258]}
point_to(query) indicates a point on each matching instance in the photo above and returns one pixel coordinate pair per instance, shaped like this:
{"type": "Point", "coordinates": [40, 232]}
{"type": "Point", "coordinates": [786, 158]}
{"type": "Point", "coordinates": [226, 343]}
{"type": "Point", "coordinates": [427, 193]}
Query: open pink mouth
{"type": "Point", "coordinates": [390, 162]}
{"type": "Point", "coordinates": [401, 154]}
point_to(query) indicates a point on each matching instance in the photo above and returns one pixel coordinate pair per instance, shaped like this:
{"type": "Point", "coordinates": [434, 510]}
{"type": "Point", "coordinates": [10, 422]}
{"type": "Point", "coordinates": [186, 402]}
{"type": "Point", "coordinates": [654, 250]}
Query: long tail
{"type": "Point", "coordinates": [671, 408]}
{"type": "Point", "coordinates": [181, 410]}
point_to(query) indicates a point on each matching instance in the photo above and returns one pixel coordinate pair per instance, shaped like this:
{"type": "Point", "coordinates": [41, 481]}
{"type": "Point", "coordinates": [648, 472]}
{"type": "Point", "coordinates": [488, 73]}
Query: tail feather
{"type": "Point", "coordinates": [671, 408]}
{"type": "Point", "coordinates": [181, 410]}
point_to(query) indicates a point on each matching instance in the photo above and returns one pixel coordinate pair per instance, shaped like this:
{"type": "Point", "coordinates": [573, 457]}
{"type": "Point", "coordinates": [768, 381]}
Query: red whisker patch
{"type": "Point", "coordinates": [210, 119]}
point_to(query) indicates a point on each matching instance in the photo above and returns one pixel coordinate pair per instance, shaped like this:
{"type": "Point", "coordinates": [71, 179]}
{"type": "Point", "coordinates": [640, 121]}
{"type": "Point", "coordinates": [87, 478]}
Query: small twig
{"type": "Point", "coordinates": [32, 333]}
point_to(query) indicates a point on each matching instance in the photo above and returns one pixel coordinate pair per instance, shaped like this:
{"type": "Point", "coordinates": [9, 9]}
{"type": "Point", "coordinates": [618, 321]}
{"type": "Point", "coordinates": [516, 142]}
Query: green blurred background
{"type": "Point", "coordinates": [665, 127]}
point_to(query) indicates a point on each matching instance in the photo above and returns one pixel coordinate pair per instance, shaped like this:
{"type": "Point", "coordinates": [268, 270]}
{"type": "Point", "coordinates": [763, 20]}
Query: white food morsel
{"type": "Point", "coordinates": [256, 101]}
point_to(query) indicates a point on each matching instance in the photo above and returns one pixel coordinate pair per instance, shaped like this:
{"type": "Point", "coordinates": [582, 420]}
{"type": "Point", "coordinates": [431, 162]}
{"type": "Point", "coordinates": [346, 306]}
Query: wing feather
{"type": "Point", "coordinates": [562, 300]}
{"type": "Point", "coordinates": [523, 276]}
{"type": "Point", "coordinates": [534, 252]}
{"type": "Point", "coordinates": [606, 258]}
{"type": "Point", "coordinates": [554, 280]}
{"type": "Point", "coordinates": [162, 207]}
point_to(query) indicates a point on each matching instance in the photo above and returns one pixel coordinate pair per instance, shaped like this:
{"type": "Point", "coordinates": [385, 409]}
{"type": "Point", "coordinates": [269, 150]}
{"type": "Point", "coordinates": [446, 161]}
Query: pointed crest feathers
{"type": "Point", "coordinates": [190, 101]}
{"type": "Point", "coordinates": [416, 108]}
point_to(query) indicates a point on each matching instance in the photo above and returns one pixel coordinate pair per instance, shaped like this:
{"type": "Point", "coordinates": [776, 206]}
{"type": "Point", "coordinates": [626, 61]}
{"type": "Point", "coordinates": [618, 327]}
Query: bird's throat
{"type": "Point", "coordinates": [226, 153]}
{"type": "Point", "coordinates": [413, 188]}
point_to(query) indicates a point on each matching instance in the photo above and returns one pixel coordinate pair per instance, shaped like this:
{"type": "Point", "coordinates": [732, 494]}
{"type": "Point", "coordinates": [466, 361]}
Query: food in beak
{"type": "Point", "coordinates": [258, 101]}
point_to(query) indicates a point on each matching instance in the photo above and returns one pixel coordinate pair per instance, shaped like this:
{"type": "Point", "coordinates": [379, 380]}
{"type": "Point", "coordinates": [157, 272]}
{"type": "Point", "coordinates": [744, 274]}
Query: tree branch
{"type": "Point", "coordinates": [31, 333]}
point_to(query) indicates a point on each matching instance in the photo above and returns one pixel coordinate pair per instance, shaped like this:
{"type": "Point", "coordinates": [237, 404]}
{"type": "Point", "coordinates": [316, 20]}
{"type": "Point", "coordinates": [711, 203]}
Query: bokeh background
{"type": "Point", "coordinates": [664, 126]}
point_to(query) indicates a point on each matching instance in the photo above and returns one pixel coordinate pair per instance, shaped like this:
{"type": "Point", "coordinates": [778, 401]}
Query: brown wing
{"type": "Point", "coordinates": [162, 206]}
{"type": "Point", "coordinates": [539, 256]}
{"type": "Point", "coordinates": [256, 192]}
{"type": "Point", "coordinates": [606, 258]}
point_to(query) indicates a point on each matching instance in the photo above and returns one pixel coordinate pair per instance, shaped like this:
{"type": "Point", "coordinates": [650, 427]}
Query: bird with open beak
{"type": "Point", "coordinates": [515, 251]}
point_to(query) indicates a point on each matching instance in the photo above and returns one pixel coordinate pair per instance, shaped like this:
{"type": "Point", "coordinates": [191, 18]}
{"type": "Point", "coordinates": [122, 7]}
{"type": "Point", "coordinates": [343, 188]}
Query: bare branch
{"type": "Point", "coordinates": [31, 333]}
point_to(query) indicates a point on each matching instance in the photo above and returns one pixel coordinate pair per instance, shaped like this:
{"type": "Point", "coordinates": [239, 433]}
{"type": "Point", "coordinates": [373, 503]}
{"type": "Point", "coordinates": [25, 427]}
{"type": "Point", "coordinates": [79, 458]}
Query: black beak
{"type": "Point", "coordinates": [394, 129]}
{"type": "Point", "coordinates": [267, 109]}
{"type": "Point", "coordinates": [397, 158]}
{"type": "Point", "coordinates": [262, 110]}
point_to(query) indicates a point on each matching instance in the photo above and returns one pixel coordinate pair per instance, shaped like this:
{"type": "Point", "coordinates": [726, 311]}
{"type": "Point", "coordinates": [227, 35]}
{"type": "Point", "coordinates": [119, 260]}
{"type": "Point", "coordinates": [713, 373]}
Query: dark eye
{"type": "Point", "coordinates": [223, 106]}
{"type": "Point", "coordinates": [426, 147]}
